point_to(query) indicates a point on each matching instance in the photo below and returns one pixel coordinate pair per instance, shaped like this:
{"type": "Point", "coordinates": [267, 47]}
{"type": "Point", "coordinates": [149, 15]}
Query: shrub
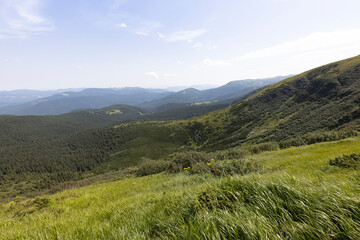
{"type": "Point", "coordinates": [316, 137]}
{"type": "Point", "coordinates": [31, 206]}
{"type": "Point", "coordinates": [262, 147]}
{"type": "Point", "coordinates": [229, 154]}
{"type": "Point", "coordinates": [152, 167]}
{"type": "Point", "coordinates": [346, 161]}
{"type": "Point", "coordinates": [130, 171]}
{"type": "Point", "coordinates": [349, 131]}
{"type": "Point", "coordinates": [182, 160]}
{"type": "Point", "coordinates": [199, 167]}
{"type": "Point", "coordinates": [241, 167]}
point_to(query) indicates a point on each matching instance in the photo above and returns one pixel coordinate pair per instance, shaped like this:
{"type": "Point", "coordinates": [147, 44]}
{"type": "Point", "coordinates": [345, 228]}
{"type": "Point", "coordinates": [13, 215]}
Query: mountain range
{"type": "Point", "coordinates": [150, 99]}
{"type": "Point", "coordinates": [16, 97]}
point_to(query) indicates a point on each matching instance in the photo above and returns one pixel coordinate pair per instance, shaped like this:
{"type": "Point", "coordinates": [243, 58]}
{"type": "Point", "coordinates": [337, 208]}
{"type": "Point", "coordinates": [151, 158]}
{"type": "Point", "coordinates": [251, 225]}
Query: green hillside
{"type": "Point", "coordinates": [296, 195]}
{"type": "Point", "coordinates": [322, 99]}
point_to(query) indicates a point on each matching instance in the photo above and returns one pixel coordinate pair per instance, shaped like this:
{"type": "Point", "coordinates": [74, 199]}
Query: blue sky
{"type": "Point", "coordinates": [49, 44]}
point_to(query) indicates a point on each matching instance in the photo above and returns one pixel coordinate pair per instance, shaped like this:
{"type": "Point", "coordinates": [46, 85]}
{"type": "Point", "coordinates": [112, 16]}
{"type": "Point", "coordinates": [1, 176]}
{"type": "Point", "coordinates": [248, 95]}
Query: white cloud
{"type": "Point", "coordinates": [121, 25]}
{"type": "Point", "coordinates": [153, 74]}
{"type": "Point", "coordinates": [141, 33]}
{"type": "Point", "coordinates": [160, 35]}
{"type": "Point", "coordinates": [140, 27]}
{"type": "Point", "coordinates": [21, 18]}
{"type": "Point", "coordinates": [187, 35]}
{"type": "Point", "coordinates": [163, 75]}
{"type": "Point", "coordinates": [321, 41]}
{"type": "Point", "coordinates": [168, 75]}
{"type": "Point", "coordinates": [297, 55]}
{"type": "Point", "coordinates": [291, 57]}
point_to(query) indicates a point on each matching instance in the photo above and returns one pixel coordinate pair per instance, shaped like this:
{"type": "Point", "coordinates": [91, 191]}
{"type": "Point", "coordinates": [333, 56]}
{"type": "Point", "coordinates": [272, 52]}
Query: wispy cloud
{"type": "Point", "coordinates": [120, 25]}
{"type": "Point", "coordinates": [160, 35]}
{"type": "Point", "coordinates": [322, 45]}
{"type": "Point", "coordinates": [120, 19]}
{"type": "Point", "coordinates": [22, 18]}
{"type": "Point", "coordinates": [139, 26]}
{"type": "Point", "coordinates": [116, 4]}
{"type": "Point", "coordinates": [167, 75]}
{"type": "Point", "coordinates": [184, 35]}
{"type": "Point", "coordinates": [117, 18]}
{"type": "Point", "coordinates": [157, 75]}
{"type": "Point", "coordinates": [321, 41]}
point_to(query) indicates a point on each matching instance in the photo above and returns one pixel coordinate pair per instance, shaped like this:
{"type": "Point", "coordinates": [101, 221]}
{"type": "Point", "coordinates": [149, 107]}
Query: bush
{"type": "Point", "coordinates": [199, 168]}
{"type": "Point", "coordinates": [241, 167]}
{"type": "Point", "coordinates": [346, 161]}
{"type": "Point", "coordinates": [130, 171]}
{"type": "Point", "coordinates": [31, 206]}
{"type": "Point", "coordinates": [262, 147]}
{"type": "Point", "coordinates": [349, 131]}
{"type": "Point", "coordinates": [229, 154]}
{"type": "Point", "coordinates": [182, 160]}
{"type": "Point", "coordinates": [317, 137]}
{"type": "Point", "coordinates": [152, 167]}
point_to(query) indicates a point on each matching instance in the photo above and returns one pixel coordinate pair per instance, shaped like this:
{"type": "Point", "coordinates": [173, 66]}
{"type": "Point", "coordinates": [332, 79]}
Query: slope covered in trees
{"type": "Point", "coordinates": [325, 98]}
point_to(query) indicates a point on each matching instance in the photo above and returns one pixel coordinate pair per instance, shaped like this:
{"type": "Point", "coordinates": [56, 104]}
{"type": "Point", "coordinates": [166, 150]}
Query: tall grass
{"type": "Point", "coordinates": [293, 198]}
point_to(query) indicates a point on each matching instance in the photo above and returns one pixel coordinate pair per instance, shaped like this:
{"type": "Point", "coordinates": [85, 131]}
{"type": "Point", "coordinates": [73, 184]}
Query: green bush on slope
{"type": "Point", "coordinates": [187, 159]}
{"type": "Point", "coordinates": [152, 167]}
{"type": "Point", "coordinates": [346, 161]}
{"type": "Point", "coordinates": [320, 136]}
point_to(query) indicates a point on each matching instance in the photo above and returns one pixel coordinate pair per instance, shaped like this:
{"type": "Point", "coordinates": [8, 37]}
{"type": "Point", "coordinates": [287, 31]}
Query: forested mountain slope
{"type": "Point", "coordinates": [324, 98]}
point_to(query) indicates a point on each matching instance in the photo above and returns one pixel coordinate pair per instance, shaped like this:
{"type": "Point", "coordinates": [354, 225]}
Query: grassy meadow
{"type": "Point", "coordinates": [297, 194]}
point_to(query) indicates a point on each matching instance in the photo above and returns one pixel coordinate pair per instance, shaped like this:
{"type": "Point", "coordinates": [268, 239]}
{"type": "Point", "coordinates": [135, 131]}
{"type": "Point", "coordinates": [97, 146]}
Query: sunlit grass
{"type": "Point", "coordinates": [297, 195]}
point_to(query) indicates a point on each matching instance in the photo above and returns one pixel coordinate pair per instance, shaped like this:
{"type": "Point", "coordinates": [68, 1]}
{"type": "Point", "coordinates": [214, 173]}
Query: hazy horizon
{"type": "Point", "coordinates": [48, 44]}
{"type": "Point", "coordinates": [173, 88]}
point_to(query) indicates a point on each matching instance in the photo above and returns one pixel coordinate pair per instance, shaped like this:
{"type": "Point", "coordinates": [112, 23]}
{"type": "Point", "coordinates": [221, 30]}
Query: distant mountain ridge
{"type": "Point", "coordinates": [151, 99]}
{"type": "Point", "coordinates": [20, 96]}
{"type": "Point", "coordinates": [87, 99]}
{"type": "Point", "coordinates": [233, 89]}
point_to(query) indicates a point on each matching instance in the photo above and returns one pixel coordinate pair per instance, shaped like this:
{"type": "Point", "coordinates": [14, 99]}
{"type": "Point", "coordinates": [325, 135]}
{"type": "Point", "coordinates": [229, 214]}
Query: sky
{"type": "Point", "coordinates": [52, 44]}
